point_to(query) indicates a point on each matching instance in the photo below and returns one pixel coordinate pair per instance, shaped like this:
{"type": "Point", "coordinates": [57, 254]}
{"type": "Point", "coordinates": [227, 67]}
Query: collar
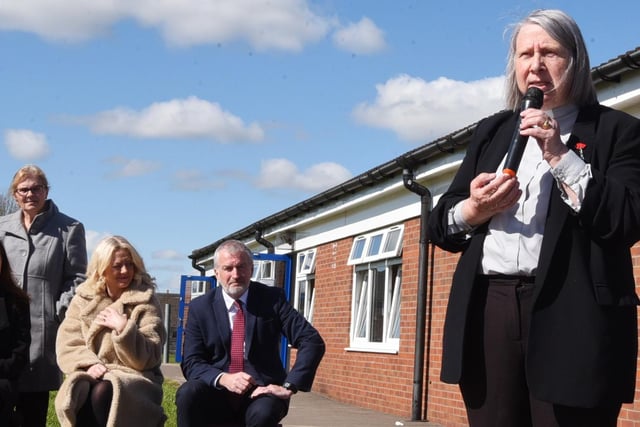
{"type": "Point", "coordinates": [228, 301]}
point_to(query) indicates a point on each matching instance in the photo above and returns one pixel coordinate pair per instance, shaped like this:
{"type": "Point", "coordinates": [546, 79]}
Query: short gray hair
{"type": "Point", "coordinates": [232, 247]}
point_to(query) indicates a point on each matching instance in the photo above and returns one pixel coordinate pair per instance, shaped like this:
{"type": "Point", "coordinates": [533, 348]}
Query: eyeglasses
{"type": "Point", "coordinates": [36, 189]}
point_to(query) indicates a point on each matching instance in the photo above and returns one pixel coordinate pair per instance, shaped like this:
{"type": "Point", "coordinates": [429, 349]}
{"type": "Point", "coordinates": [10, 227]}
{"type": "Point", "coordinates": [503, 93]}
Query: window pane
{"type": "Point", "coordinates": [308, 261]}
{"type": "Point", "coordinates": [301, 257]}
{"type": "Point", "coordinates": [267, 271]}
{"type": "Point", "coordinates": [360, 326]}
{"type": "Point", "coordinates": [377, 305]}
{"type": "Point", "coordinates": [374, 245]}
{"type": "Point", "coordinates": [394, 311]}
{"type": "Point", "coordinates": [301, 297]}
{"type": "Point", "coordinates": [358, 248]}
{"type": "Point", "coordinates": [392, 240]}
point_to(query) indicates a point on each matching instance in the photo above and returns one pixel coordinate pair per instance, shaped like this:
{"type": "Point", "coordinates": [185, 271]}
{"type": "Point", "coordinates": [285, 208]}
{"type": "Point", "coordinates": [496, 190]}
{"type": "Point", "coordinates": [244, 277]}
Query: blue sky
{"type": "Point", "coordinates": [177, 122]}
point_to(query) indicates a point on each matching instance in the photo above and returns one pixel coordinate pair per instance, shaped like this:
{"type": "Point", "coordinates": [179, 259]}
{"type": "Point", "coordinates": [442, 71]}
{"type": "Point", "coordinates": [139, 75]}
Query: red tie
{"type": "Point", "coordinates": [237, 340]}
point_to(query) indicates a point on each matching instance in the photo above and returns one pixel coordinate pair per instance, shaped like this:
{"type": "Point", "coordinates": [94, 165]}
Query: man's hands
{"type": "Point", "coordinates": [241, 382]}
{"type": "Point", "coordinates": [238, 383]}
{"type": "Point", "coordinates": [276, 390]}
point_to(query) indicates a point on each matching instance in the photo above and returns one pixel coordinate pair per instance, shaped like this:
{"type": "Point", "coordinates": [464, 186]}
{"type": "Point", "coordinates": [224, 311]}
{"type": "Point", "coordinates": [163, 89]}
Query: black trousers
{"type": "Point", "coordinates": [32, 408]}
{"type": "Point", "coordinates": [200, 405]}
{"type": "Point", "coordinates": [494, 385]}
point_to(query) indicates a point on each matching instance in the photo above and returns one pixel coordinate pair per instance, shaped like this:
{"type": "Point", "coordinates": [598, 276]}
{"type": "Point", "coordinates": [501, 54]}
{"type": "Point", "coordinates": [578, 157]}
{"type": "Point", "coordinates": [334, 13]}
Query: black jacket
{"type": "Point", "coordinates": [583, 335]}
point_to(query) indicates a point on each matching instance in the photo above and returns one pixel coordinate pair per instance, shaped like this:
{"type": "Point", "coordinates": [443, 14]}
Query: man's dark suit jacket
{"type": "Point", "coordinates": [268, 316]}
{"type": "Point", "coordinates": [583, 336]}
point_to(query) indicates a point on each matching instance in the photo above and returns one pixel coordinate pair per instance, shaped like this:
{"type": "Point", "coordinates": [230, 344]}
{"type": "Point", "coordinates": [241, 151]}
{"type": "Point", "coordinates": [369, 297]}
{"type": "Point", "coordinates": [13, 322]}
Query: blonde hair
{"type": "Point", "coordinates": [102, 258]}
{"type": "Point", "coordinates": [25, 172]}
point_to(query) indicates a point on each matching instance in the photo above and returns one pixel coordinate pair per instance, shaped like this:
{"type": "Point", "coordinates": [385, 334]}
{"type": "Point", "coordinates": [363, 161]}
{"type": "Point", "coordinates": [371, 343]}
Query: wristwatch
{"type": "Point", "coordinates": [291, 387]}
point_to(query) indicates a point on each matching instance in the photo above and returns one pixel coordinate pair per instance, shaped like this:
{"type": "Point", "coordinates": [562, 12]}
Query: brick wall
{"type": "Point", "coordinates": [384, 382]}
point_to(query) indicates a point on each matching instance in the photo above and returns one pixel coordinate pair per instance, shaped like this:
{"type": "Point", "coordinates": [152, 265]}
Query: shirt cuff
{"type": "Point", "coordinates": [573, 172]}
{"type": "Point", "coordinates": [216, 382]}
{"type": "Point", "coordinates": [456, 223]}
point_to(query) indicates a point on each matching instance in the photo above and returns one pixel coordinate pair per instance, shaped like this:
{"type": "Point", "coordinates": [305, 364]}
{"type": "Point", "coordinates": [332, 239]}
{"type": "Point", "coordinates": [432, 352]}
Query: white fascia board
{"type": "Point", "coordinates": [382, 206]}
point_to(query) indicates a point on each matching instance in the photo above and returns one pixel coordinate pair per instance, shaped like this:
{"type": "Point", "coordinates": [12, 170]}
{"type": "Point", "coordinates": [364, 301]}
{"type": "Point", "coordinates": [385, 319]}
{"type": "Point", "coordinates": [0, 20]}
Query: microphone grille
{"type": "Point", "coordinates": [533, 97]}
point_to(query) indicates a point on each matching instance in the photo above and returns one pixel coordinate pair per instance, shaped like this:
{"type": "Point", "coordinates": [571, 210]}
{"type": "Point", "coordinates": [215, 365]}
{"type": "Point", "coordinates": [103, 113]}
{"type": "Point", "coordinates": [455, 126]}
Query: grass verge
{"type": "Point", "coordinates": [169, 388]}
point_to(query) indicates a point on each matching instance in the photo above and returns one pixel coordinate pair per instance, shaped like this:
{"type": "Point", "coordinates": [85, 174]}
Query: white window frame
{"type": "Point", "coordinates": [264, 271]}
{"type": "Point", "coordinates": [373, 254]}
{"type": "Point", "coordinates": [304, 294]}
{"type": "Point", "coordinates": [377, 245]}
{"type": "Point", "coordinates": [363, 307]}
{"type": "Point", "coordinates": [198, 288]}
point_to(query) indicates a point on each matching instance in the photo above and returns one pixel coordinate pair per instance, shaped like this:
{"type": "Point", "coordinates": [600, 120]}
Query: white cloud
{"type": "Point", "coordinates": [417, 110]}
{"type": "Point", "coordinates": [361, 38]}
{"type": "Point", "coordinates": [132, 167]}
{"type": "Point", "coordinates": [24, 144]}
{"type": "Point", "coordinates": [61, 20]}
{"type": "Point", "coordinates": [192, 180]}
{"type": "Point", "coordinates": [93, 238]}
{"type": "Point", "coordinates": [169, 254]}
{"type": "Point", "coordinates": [282, 173]}
{"type": "Point", "coordinates": [264, 24]}
{"type": "Point", "coordinates": [190, 118]}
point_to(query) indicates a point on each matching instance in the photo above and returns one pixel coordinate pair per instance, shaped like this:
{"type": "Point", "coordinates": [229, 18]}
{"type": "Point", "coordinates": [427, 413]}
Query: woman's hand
{"type": "Point", "coordinates": [97, 371]}
{"type": "Point", "coordinates": [545, 130]}
{"type": "Point", "coordinates": [489, 193]}
{"type": "Point", "coordinates": [112, 319]}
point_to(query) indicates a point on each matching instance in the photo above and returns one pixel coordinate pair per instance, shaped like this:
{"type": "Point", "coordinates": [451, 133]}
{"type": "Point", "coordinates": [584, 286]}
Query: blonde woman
{"type": "Point", "coordinates": [110, 344]}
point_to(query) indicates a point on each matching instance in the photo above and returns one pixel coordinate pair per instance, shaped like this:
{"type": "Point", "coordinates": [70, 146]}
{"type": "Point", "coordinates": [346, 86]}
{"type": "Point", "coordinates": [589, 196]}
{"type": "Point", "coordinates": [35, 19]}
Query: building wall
{"type": "Point", "coordinates": [384, 382]}
{"type": "Point", "coordinates": [370, 380]}
{"type": "Point", "coordinates": [173, 300]}
{"type": "Point", "coordinates": [379, 381]}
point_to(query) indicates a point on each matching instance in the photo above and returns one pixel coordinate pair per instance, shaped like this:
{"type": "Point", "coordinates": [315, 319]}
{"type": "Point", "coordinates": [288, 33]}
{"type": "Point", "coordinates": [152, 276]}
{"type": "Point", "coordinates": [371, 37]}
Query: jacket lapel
{"type": "Point", "coordinates": [221, 315]}
{"type": "Point", "coordinates": [583, 131]}
{"type": "Point", "coordinates": [250, 319]}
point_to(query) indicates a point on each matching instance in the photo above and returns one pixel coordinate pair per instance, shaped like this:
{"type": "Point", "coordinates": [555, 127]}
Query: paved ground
{"type": "Point", "coordinates": [315, 410]}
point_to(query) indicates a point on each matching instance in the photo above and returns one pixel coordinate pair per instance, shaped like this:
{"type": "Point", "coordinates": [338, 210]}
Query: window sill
{"type": "Point", "coordinates": [372, 350]}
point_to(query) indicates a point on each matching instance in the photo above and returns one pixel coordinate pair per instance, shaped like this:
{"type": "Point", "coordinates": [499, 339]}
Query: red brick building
{"type": "Point", "coordinates": [366, 278]}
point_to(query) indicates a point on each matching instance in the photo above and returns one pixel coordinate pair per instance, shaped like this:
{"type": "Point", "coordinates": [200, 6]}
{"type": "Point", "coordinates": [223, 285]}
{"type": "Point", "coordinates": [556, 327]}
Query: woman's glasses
{"type": "Point", "coordinates": [36, 189]}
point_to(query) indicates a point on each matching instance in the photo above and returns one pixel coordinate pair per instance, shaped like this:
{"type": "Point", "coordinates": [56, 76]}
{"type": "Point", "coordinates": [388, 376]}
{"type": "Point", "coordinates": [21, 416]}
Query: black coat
{"type": "Point", "coordinates": [583, 336]}
{"type": "Point", "coordinates": [15, 336]}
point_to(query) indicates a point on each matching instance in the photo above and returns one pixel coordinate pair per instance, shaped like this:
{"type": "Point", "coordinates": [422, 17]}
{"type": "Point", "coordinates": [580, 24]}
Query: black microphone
{"type": "Point", "coordinates": [532, 99]}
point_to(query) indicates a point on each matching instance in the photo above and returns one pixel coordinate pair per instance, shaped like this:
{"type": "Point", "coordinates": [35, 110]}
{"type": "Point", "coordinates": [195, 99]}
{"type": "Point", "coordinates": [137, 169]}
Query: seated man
{"type": "Point", "coordinates": [231, 358]}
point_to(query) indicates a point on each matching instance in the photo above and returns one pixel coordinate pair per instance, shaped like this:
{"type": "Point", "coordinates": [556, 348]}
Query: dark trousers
{"type": "Point", "coordinates": [8, 397]}
{"type": "Point", "coordinates": [200, 405]}
{"type": "Point", "coordinates": [494, 385]}
{"type": "Point", "coordinates": [32, 408]}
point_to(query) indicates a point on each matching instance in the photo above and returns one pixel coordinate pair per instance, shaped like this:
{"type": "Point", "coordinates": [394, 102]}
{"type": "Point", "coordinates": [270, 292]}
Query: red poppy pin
{"type": "Point", "coordinates": [581, 146]}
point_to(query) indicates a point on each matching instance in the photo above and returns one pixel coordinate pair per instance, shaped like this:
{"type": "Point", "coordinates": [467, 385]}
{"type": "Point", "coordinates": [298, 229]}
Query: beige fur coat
{"type": "Point", "coordinates": [132, 357]}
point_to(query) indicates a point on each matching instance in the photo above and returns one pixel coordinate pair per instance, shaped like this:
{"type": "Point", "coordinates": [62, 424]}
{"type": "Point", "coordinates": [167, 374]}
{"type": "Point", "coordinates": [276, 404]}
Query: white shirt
{"type": "Point", "coordinates": [513, 241]}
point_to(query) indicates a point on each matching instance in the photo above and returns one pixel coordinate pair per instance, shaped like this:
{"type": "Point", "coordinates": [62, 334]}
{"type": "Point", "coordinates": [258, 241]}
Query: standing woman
{"type": "Point", "coordinates": [110, 344]}
{"type": "Point", "coordinates": [48, 257]}
{"type": "Point", "coordinates": [14, 339]}
{"type": "Point", "coordinates": [541, 326]}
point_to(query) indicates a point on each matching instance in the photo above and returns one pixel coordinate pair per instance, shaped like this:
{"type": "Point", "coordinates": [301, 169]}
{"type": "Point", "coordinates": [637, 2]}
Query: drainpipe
{"type": "Point", "coordinates": [421, 308]}
{"type": "Point", "coordinates": [195, 266]}
{"type": "Point", "coordinates": [264, 242]}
